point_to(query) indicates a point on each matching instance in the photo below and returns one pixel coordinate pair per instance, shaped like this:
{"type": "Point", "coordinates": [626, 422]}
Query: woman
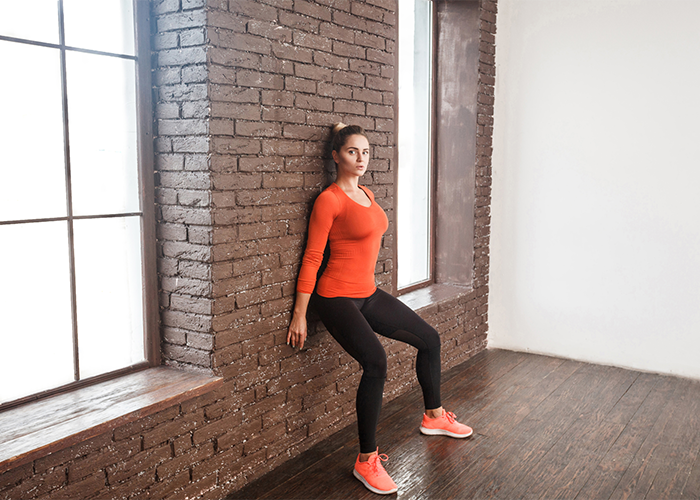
{"type": "Point", "coordinates": [352, 308]}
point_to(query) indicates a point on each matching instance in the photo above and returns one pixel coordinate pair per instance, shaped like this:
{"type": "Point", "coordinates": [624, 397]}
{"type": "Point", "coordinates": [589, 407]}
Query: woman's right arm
{"type": "Point", "coordinates": [325, 210]}
{"type": "Point", "coordinates": [297, 327]}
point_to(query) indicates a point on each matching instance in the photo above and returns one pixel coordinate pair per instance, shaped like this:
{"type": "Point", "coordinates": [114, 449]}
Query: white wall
{"type": "Point", "coordinates": [596, 182]}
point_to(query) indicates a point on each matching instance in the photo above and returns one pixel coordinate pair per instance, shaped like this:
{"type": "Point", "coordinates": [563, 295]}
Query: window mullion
{"type": "Point", "coordinates": [69, 194]}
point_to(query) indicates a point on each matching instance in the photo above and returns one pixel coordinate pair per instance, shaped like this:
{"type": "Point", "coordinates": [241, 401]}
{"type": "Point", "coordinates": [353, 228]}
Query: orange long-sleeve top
{"type": "Point", "coordinates": [355, 235]}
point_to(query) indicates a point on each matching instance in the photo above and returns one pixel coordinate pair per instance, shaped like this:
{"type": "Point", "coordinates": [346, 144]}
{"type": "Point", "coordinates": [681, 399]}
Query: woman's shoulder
{"type": "Point", "coordinates": [332, 192]}
{"type": "Point", "coordinates": [329, 198]}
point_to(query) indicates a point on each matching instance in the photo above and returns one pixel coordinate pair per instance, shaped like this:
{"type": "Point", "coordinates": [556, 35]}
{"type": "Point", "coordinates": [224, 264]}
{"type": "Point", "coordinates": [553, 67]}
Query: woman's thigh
{"type": "Point", "coordinates": [390, 317]}
{"type": "Point", "coordinates": [348, 326]}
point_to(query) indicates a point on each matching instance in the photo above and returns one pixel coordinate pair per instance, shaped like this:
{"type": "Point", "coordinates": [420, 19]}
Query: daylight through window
{"type": "Point", "coordinates": [415, 117]}
{"type": "Point", "coordinates": [70, 206]}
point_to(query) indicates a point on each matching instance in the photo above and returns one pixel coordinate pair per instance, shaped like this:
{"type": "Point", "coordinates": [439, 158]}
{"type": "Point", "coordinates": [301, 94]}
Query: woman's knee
{"type": "Point", "coordinates": [432, 340]}
{"type": "Point", "coordinates": [376, 365]}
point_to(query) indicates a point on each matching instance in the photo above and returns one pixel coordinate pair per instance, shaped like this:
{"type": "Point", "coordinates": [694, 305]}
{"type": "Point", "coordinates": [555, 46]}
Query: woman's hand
{"type": "Point", "coordinates": [297, 330]}
{"type": "Point", "coordinates": [297, 327]}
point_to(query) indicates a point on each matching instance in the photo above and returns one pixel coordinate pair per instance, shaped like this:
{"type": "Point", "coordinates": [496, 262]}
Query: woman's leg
{"type": "Point", "coordinates": [390, 317]}
{"type": "Point", "coordinates": [345, 322]}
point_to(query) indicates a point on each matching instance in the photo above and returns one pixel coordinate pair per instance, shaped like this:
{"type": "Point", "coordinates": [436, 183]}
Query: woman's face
{"type": "Point", "coordinates": [353, 158]}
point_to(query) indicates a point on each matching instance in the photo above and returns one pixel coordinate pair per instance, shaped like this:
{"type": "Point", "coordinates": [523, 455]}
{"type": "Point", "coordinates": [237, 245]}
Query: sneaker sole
{"type": "Point", "coordinates": [443, 432]}
{"type": "Point", "coordinates": [372, 488]}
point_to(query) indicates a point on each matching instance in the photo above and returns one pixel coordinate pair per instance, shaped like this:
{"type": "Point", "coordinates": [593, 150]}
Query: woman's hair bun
{"type": "Point", "coordinates": [341, 132]}
{"type": "Point", "coordinates": [338, 127]}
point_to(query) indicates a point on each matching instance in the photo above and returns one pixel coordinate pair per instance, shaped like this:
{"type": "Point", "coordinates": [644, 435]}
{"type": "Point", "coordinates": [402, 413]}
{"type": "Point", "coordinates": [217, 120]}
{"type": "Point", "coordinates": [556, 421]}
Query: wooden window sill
{"type": "Point", "coordinates": [432, 295]}
{"type": "Point", "coordinates": [42, 427]}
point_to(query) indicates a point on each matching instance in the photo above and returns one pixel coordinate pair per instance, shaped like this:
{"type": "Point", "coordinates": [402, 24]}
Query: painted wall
{"type": "Point", "coordinates": [596, 182]}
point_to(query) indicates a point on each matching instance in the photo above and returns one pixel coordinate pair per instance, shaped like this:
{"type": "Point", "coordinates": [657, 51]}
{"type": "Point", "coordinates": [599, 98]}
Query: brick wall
{"type": "Point", "coordinates": [183, 181]}
{"type": "Point", "coordinates": [245, 94]}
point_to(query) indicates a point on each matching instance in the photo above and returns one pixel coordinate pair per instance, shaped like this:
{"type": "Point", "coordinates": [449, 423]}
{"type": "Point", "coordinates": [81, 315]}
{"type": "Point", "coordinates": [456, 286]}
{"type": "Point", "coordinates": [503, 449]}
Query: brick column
{"type": "Point", "coordinates": [183, 181]}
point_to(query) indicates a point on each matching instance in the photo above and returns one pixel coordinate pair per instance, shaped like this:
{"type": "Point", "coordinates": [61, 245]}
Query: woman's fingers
{"type": "Point", "coordinates": [297, 332]}
{"type": "Point", "coordinates": [298, 340]}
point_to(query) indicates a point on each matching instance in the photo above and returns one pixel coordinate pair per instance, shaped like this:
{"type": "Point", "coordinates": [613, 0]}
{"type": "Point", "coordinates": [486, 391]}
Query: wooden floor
{"type": "Point", "coordinates": [544, 428]}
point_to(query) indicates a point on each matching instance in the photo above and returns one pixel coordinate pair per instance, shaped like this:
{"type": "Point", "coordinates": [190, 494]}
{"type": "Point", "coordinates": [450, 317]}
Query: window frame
{"type": "Point", "coordinates": [448, 267]}
{"type": "Point", "coordinates": [432, 208]}
{"type": "Point", "coordinates": [146, 194]}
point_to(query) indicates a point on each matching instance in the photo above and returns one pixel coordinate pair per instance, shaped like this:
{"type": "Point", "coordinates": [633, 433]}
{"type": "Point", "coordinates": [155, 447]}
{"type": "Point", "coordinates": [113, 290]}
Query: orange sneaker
{"type": "Point", "coordinates": [373, 475]}
{"type": "Point", "coordinates": [445, 425]}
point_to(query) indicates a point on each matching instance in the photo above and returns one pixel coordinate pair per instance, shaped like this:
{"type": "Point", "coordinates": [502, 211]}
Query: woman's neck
{"type": "Point", "coordinates": [348, 183]}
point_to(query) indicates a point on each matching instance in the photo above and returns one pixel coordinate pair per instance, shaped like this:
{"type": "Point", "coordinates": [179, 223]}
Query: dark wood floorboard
{"type": "Point", "coordinates": [545, 428]}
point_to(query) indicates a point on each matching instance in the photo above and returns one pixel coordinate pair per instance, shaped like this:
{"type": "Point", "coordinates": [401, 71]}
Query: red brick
{"type": "Point", "coordinates": [249, 297]}
{"type": "Point", "coordinates": [298, 22]}
{"type": "Point", "coordinates": [81, 489]}
{"type": "Point", "coordinates": [216, 428]}
{"type": "Point", "coordinates": [292, 53]}
{"type": "Point", "coordinates": [184, 462]}
{"type": "Point", "coordinates": [270, 31]}
{"type": "Point", "coordinates": [228, 145]}
{"type": "Point", "coordinates": [331, 90]}
{"type": "Point", "coordinates": [283, 147]}
{"type": "Point", "coordinates": [367, 40]}
{"type": "Point", "coordinates": [352, 107]}
{"type": "Point", "coordinates": [219, 462]}
{"type": "Point", "coordinates": [262, 230]}
{"type": "Point", "coordinates": [378, 83]}
{"type": "Point", "coordinates": [312, 10]}
{"type": "Point", "coordinates": [380, 56]}
{"type": "Point", "coordinates": [253, 10]}
{"type": "Point", "coordinates": [277, 98]}
{"type": "Point", "coordinates": [365, 10]}
{"type": "Point", "coordinates": [317, 103]}
{"type": "Point", "coordinates": [284, 115]}
{"type": "Point", "coordinates": [367, 95]}
{"type": "Point", "coordinates": [305, 132]}
{"type": "Point", "coordinates": [312, 41]}
{"type": "Point", "coordinates": [242, 432]}
{"type": "Point", "coordinates": [313, 72]}
{"type": "Point", "coordinates": [349, 78]}
{"type": "Point", "coordinates": [36, 485]}
{"type": "Point", "coordinates": [138, 464]}
{"type": "Point", "coordinates": [293, 84]}
{"type": "Point", "coordinates": [258, 129]}
{"type": "Point", "coordinates": [249, 78]}
{"type": "Point", "coordinates": [389, 5]}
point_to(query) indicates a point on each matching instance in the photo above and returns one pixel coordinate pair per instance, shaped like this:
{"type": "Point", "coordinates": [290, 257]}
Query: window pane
{"type": "Point", "coordinates": [31, 20]}
{"type": "Point", "coordinates": [37, 347]}
{"type": "Point", "coordinates": [104, 25]}
{"type": "Point", "coordinates": [102, 126]}
{"type": "Point", "coordinates": [109, 297]}
{"type": "Point", "coordinates": [31, 134]}
{"type": "Point", "coordinates": [414, 176]}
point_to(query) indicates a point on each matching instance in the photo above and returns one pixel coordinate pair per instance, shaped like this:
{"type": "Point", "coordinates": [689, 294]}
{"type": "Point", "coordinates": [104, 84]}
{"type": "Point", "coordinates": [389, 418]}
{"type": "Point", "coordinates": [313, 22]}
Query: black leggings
{"type": "Point", "coordinates": [352, 322]}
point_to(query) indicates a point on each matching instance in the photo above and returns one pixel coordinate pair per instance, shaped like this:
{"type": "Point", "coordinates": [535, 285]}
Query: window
{"type": "Point", "coordinates": [437, 110]}
{"type": "Point", "coordinates": [415, 144]}
{"type": "Point", "coordinates": [72, 194]}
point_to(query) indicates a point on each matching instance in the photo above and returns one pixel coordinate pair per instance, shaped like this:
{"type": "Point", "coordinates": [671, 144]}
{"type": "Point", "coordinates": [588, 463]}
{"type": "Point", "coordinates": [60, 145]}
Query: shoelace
{"type": "Point", "coordinates": [451, 417]}
{"type": "Point", "coordinates": [375, 462]}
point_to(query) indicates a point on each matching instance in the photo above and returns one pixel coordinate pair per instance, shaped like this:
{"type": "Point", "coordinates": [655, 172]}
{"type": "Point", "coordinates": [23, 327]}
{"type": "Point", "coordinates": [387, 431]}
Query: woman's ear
{"type": "Point", "coordinates": [335, 155]}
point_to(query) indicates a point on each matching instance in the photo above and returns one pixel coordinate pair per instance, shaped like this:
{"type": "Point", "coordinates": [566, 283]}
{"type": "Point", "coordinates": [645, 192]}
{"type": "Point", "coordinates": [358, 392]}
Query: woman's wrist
{"type": "Point", "coordinates": [301, 304]}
